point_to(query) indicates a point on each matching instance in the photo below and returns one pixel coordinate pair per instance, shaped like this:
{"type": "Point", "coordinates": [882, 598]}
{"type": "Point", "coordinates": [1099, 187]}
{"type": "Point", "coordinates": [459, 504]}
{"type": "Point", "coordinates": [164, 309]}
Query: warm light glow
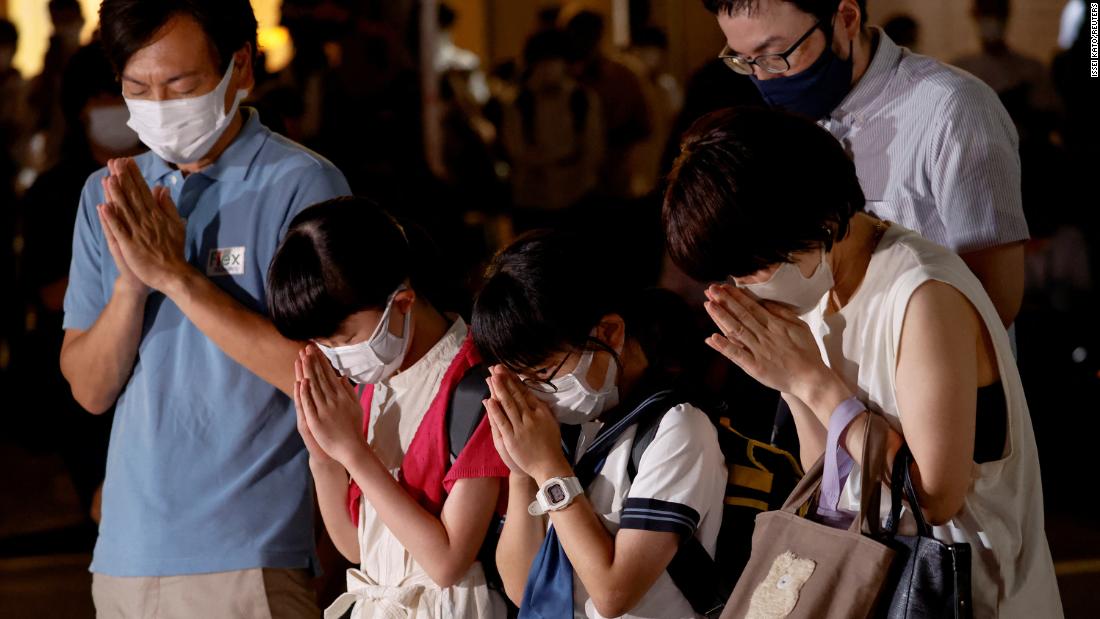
{"type": "Point", "coordinates": [32, 18]}
{"type": "Point", "coordinates": [276, 44]}
{"type": "Point", "coordinates": [274, 40]}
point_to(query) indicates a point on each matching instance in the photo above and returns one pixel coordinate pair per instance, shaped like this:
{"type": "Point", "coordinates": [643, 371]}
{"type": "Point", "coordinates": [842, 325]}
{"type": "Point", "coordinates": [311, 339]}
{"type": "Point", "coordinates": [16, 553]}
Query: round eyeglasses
{"type": "Point", "coordinates": [770, 63]}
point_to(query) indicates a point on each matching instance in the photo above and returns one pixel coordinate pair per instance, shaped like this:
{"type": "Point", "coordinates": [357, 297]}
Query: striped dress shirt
{"type": "Point", "coordinates": [934, 149]}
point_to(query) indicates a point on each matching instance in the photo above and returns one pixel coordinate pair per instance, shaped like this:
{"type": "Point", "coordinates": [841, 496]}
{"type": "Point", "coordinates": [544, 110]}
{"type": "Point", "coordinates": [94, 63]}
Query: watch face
{"type": "Point", "coordinates": [556, 494]}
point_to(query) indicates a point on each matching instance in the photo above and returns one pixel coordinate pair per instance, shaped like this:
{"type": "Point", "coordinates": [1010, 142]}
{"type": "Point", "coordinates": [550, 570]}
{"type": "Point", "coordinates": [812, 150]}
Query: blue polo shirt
{"type": "Point", "coordinates": [206, 471]}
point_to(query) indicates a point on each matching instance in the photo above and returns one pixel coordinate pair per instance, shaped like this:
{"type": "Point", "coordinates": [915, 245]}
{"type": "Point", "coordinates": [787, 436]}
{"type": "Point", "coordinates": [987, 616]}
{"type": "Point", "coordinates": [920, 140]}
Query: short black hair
{"type": "Point", "coordinates": [650, 36]}
{"type": "Point", "coordinates": [9, 34]}
{"type": "Point", "coordinates": [902, 29]}
{"type": "Point", "coordinates": [821, 9]}
{"type": "Point", "coordinates": [446, 16]}
{"type": "Point", "coordinates": [88, 75]}
{"type": "Point", "coordinates": [585, 30]}
{"type": "Point", "coordinates": [753, 186]}
{"type": "Point", "coordinates": [544, 293]}
{"type": "Point", "coordinates": [60, 6]}
{"type": "Point", "coordinates": [545, 45]}
{"type": "Point", "coordinates": [547, 16]}
{"type": "Point", "coordinates": [339, 257]}
{"type": "Point", "coordinates": [993, 8]}
{"type": "Point", "coordinates": [129, 25]}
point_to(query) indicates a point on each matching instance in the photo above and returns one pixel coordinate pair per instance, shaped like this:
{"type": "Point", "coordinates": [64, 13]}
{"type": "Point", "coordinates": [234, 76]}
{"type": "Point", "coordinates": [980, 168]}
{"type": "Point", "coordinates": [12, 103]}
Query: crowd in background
{"type": "Point", "coordinates": [568, 135]}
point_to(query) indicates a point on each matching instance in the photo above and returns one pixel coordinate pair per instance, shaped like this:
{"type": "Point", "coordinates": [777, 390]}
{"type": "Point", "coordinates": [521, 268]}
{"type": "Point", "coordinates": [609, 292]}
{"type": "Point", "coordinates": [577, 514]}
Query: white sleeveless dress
{"type": "Point", "coordinates": [1002, 516]}
{"type": "Point", "coordinates": [389, 584]}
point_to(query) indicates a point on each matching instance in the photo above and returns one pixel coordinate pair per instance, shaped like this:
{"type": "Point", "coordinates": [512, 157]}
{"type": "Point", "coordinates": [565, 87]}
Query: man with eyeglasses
{"type": "Point", "coordinates": [934, 148]}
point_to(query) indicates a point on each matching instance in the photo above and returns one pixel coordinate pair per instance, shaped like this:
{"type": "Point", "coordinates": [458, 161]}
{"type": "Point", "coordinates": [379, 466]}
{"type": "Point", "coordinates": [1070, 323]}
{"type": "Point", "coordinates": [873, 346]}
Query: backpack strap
{"type": "Point", "coordinates": [464, 412]}
{"type": "Point", "coordinates": [617, 421]}
{"type": "Point", "coordinates": [692, 569]}
{"type": "Point", "coordinates": [647, 429]}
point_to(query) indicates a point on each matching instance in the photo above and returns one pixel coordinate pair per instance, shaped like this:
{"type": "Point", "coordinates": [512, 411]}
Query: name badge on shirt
{"type": "Point", "coordinates": [225, 261]}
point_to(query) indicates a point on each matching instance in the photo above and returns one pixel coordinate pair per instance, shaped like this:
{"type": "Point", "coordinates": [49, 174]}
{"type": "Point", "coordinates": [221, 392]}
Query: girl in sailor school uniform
{"type": "Point", "coordinates": [584, 535]}
{"type": "Point", "coordinates": [412, 516]}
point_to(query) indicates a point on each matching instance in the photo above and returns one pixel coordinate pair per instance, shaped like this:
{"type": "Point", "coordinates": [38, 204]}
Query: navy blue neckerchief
{"type": "Point", "coordinates": [549, 590]}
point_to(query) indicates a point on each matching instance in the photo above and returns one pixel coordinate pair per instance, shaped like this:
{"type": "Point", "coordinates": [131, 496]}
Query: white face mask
{"type": "Point", "coordinates": [378, 357]}
{"type": "Point", "coordinates": [184, 130]}
{"type": "Point", "coordinates": [575, 401]}
{"type": "Point", "coordinates": [108, 129]}
{"type": "Point", "coordinates": [788, 286]}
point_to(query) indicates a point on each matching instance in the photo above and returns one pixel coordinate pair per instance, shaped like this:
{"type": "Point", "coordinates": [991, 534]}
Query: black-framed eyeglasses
{"type": "Point", "coordinates": [771, 63]}
{"type": "Point", "coordinates": [546, 385]}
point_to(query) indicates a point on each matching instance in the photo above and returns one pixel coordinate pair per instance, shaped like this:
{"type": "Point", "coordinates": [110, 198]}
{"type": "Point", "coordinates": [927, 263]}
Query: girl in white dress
{"type": "Point", "coordinates": [418, 512]}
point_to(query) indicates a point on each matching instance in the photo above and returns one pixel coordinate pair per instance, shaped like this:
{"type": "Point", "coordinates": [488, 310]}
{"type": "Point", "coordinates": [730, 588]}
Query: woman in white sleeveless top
{"type": "Point", "coordinates": [846, 316]}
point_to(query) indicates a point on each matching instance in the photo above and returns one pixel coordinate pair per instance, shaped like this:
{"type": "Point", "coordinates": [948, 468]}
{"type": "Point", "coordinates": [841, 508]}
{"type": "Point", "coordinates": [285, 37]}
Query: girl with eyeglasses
{"type": "Point", "coordinates": [580, 369]}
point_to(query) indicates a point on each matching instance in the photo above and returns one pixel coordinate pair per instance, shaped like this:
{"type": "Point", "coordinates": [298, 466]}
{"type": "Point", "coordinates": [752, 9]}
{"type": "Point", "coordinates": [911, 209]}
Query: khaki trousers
{"type": "Point", "coordinates": [244, 594]}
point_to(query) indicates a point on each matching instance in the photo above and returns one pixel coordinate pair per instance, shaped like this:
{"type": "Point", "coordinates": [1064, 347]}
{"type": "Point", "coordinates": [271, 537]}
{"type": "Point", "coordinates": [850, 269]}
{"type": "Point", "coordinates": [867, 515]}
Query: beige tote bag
{"type": "Point", "coordinates": [803, 569]}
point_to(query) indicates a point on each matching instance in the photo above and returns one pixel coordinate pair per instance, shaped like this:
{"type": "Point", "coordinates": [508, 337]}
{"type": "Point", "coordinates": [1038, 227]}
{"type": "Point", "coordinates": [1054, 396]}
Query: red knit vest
{"type": "Point", "coordinates": [426, 471]}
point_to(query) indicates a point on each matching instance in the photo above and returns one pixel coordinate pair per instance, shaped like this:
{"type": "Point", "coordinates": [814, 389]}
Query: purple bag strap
{"type": "Point", "coordinates": [838, 462]}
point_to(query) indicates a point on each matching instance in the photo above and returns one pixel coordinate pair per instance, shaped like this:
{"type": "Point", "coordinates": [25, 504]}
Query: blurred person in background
{"type": "Point", "coordinates": [650, 47]}
{"type": "Point", "coordinates": [553, 134]}
{"type": "Point", "coordinates": [625, 106]}
{"type": "Point", "coordinates": [712, 87]}
{"type": "Point", "coordinates": [207, 508]}
{"type": "Point", "coordinates": [96, 132]}
{"type": "Point", "coordinates": [503, 84]}
{"type": "Point", "coordinates": [1058, 277]}
{"type": "Point", "coordinates": [904, 31]}
{"type": "Point", "coordinates": [12, 131]}
{"type": "Point", "coordinates": [12, 102]}
{"type": "Point", "coordinates": [463, 63]}
{"type": "Point", "coordinates": [1026, 89]}
{"type": "Point", "coordinates": [468, 139]}
{"type": "Point", "coordinates": [1078, 92]}
{"type": "Point", "coordinates": [373, 92]}
{"type": "Point", "coordinates": [1062, 270]}
{"type": "Point", "coordinates": [468, 135]}
{"type": "Point", "coordinates": [1023, 83]}
{"type": "Point", "coordinates": [548, 18]}
{"type": "Point", "coordinates": [45, 89]}
{"type": "Point", "coordinates": [296, 94]}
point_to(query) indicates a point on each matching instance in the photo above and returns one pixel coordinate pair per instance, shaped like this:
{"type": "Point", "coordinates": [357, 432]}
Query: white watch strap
{"type": "Point", "coordinates": [571, 486]}
{"type": "Point", "coordinates": [535, 509]}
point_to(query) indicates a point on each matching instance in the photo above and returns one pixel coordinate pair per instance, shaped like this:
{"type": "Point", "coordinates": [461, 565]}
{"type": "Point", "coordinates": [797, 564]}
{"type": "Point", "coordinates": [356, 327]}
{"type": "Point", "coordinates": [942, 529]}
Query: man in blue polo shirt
{"type": "Point", "coordinates": [207, 510]}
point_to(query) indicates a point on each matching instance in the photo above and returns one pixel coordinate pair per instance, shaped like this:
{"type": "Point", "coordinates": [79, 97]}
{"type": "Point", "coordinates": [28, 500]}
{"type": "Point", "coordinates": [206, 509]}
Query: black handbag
{"type": "Point", "coordinates": [928, 578]}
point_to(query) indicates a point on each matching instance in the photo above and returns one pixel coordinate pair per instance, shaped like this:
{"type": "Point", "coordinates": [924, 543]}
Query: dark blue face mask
{"type": "Point", "coordinates": [814, 92]}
